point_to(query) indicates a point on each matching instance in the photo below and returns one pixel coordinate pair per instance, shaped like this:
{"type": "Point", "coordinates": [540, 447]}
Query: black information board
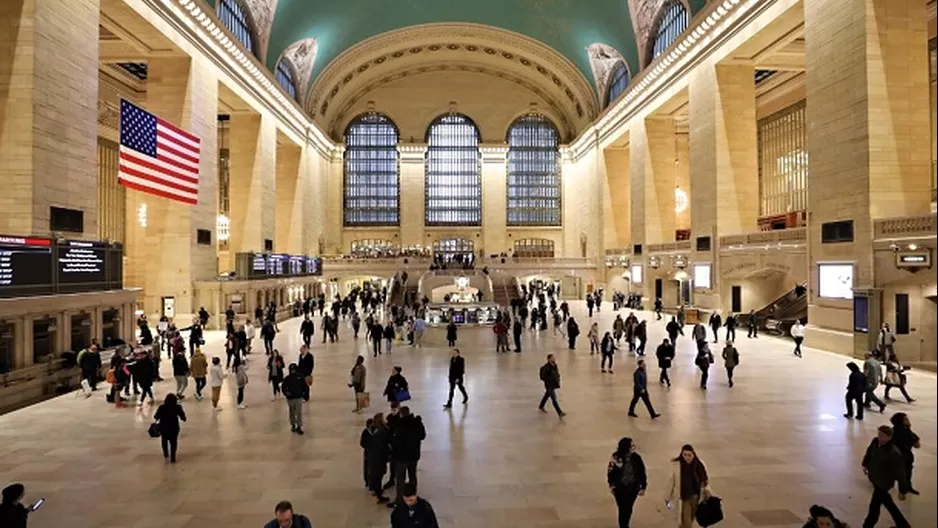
{"type": "Point", "coordinates": [273, 265]}
{"type": "Point", "coordinates": [81, 262]}
{"type": "Point", "coordinates": [25, 266]}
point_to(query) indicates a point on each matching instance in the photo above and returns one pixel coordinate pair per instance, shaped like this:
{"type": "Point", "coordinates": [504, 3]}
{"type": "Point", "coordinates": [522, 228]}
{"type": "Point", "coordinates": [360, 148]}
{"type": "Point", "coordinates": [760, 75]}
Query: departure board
{"type": "Point", "coordinates": [25, 266]}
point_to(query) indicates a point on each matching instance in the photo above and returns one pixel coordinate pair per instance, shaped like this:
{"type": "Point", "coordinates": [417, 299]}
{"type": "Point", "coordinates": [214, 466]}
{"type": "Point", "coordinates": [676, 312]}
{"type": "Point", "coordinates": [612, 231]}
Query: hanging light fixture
{"type": "Point", "coordinates": [222, 228]}
{"type": "Point", "coordinates": [680, 200]}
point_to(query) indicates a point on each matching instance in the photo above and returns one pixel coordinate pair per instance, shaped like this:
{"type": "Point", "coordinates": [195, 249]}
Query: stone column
{"type": "Point", "coordinates": [49, 95]}
{"type": "Point", "coordinates": [164, 257]}
{"type": "Point", "coordinates": [290, 208]}
{"type": "Point", "coordinates": [652, 174]}
{"type": "Point", "coordinates": [868, 138]}
{"type": "Point", "coordinates": [495, 199]}
{"type": "Point", "coordinates": [413, 183]}
{"type": "Point", "coordinates": [253, 177]}
{"type": "Point", "coordinates": [617, 193]}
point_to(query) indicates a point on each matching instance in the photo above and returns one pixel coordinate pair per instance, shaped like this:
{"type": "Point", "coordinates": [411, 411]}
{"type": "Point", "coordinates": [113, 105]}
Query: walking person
{"type": "Point", "coordinates": [608, 349]}
{"type": "Point", "coordinates": [412, 511]}
{"type": "Point", "coordinates": [307, 330]}
{"type": "Point", "coordinates": [715, 323]}
{"type": "Point", "coordinates": [730, 360]}
{"type": "Point", "coordinates": [168, 416]}
{"type": "Point", "coordinates": [895, 376]}
{"type": "Point", "coordinates": [673, 329]}
{"type": "Point", "coordinates": [143, 371]}
{"type": "Point", "coordinates": [408, 434]}
{"type": "Point", "coordinates": [665, 354]}
{"type": "Point", "coordinates": [500, 329]}
{"type": "Point", "coordinates": [376, 334]}
{"type": "Point", "coordinates": [457, 373]}
{"type": "Point", "coordinates": [905, 440]}
{"type": "Point", "coordinates": [517, 328]}
{"type": "Point", "coordinates": [856, 388]}
{"type": "Point", "coordinates": [294, 388]}
{"type": "Point", "coordinates": [397, 390]}
{"type": "Point", "coordinates": [640, 391]}
{"type": "Point", "coordinates": [730, 324]}
{"type": "Point", "coordinates": [884, 467]}
{"type": "Point", "coordinates": [873, 370]}
{"type": "Point", "coordinates": [618, 328]}
{"type": "Point", "coordinates": [241, 379]}
{"type": "Point", "coordinates": [13, 514]}
{"type": "Point", "coordinates": [451, 331]}
{"type": "Point", "coordinates": [886, 340]}
{"type": "Point", "coordinates": [658, 306]}
{"type": "Point", "coordinates": [573, 330]}
{"type": "Point", "coordinates": [357, 378]}
{"type": "Point", "coordinates": [550, 376]}
{"type": "Point", "coordinates": [420, 327]}
{"type": "Point", "coordinates": [688, 484]}
{"type": "Point", "coordinates": [356, 324]}
{"type": "Point", "coordinates": [268, 333]}
{"type": "Point", "coordinates": [703, 361]}
{"type": "Point", "coordinates": [752, 324]}
{"type": "Point", "coordinates": [306, 364]}
{"type": "Point", "coordinates": [797, 333]}
{"type": "Point", "coordinates": [377, 455]}
{"type": "Point", "coordinates": [389, 334]}
{"type": "Point", "coordinates": [216, 378]}
{"type": "Point", "coordinates": [593, 336]}
{"type": "Point", "coordinates": [198, 368]}
{"type": "Point", "coordinates": [641, 334]}
{"type": "Point", "coordinates": [275, 372]}
{"type": "Point", "coordinates": [181, 373]}
{"type": "Point", "coordinates": [627, 479]}
{"type": "Point", "coordinates": [285, 518]}
{"type": "Point", "coordinates": [700, 335]}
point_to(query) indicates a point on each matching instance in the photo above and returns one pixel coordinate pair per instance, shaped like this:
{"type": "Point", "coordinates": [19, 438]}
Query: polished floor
{"type": "Point", "coordinates": [773, 445]}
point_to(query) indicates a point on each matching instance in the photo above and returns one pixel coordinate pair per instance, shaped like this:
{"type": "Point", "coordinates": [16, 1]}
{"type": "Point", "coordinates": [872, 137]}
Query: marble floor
{"type": "Point", "coordinates": [773, 445]}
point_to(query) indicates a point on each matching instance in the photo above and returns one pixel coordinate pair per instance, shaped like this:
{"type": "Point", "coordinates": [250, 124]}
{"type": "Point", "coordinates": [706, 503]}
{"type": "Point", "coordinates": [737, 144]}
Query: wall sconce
{"type": "Point", "coordinates": [222, 228]}
{"type": "Point", "coordinates": [680, 200]}
{"type": "Point", "coordinates": [142, 215]}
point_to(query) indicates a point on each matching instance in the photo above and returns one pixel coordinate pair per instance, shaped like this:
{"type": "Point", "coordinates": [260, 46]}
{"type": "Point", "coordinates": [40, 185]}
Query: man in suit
{"type": "Point", "coordinates": [457, 371]}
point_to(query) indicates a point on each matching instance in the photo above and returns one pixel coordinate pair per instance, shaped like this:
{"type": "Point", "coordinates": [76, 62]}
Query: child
{"type": "Point", "coordinates": [363, 443]}
{"type": "Point", "coordinates": [216, 379]}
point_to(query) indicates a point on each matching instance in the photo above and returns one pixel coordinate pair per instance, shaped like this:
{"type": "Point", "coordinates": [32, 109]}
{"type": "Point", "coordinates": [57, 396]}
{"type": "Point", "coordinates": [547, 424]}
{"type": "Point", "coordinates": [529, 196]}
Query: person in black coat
{"type": "Point", "coordinates": [673, 328]}
{"type": "Point", "coordinates": [550, 376]}
{"type": "Point", "coordinates": [376, 333]}
{"type": "Point", "coordinates": [306, 365]}
{"type": "Point", "coordinates": [412, 511]}
{"type": "Point", "coordinates": [409, 433]}
{"type": "Point", "coordinates": [144, 371]}
{"type": "Point", "coordinates": [195, 336]}
{"type": "Point", "coordinates": [730, 324]}
{"type": "Point", "coordinates": [397, 383]}
{"type": "Point", "coordinates": [451, 334]}
{"type": "Point", "coordinates": [168, 416]}
{"type": "Point", "coordinates": [856, 388]}
{"type": "Point", "coordinates": [377, 454]}
{"type": "Point", "coordinates": [627, 479]}
{"type": "Point", "coordinates": [573, 330]}
{"type": "Point", "coordinates": [905, 440]}
{"type": "Point", "coordinates": [753, 324]}
{"type": "Point", "coordinates": [268, 333]}
{"type": "Point", "coordinates": [13, 514]}
{"type": "Point", "coordinates": [457, 371]}
{"type": "Point", "coordinates": [517, 328]}
{"type": "Point", "coordinates": [641, 333]}
{"type": "Point", "coordinates": [640, 390]}
{"type": "Point", "coordinates": [665, 354]}
{"type": "Point", "coordinates": [658, 309]}
{"type": "Point", "coordinates": [307, 329]}
{"type": "Point", "coordinates": [884, 467]}
{"type": "Point", "coordinates": [91, 366]}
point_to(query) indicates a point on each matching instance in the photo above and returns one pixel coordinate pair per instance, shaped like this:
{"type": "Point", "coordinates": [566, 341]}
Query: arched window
{"type": "Point", "coordinates": [453, 246]}
{"type": "Point", "coordinates": [374, 248]}
{"type": "Point", "coordinates": [534, 248]}
{"type": "Point", "coordinates": [454, 173]}
{"type": "Point", "coordinates": [618, 82]}
{"type": "Point", "coordinates": [284, 76]}
{"type": "Point", "coordinates": [372, 175]}
{"type": "Point", "coordinates": [671, 23]}
{"type": "Point", "coordinates": [533, 172]}
{"type": "Point", "coordinates": [233, 15]}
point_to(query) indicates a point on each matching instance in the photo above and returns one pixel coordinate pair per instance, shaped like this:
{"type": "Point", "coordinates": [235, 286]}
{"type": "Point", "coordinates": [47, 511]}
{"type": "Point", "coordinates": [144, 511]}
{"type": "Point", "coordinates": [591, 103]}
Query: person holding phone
{"type": "Point", "coordinates": [13, 514]}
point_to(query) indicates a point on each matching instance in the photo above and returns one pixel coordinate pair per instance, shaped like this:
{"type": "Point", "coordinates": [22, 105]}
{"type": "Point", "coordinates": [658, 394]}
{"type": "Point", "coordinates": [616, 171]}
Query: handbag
{"type": "Point", "coordinates": [402, 395]}
{"type": "Point", "coordinates": [309, 381]}
{"type": "Point", "coordinates": [709, 511]}
{"type": "Point", "coordinates": [154, 430]}
{"type": "Point", "coordinates": [364, 400]}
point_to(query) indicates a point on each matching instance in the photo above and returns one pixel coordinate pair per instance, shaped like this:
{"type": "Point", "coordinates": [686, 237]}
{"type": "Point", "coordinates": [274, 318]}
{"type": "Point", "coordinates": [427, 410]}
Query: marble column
{"type": "Point", "coordinates": [495, 199]}
{"type": "Point", "coordinates": [413, 182]}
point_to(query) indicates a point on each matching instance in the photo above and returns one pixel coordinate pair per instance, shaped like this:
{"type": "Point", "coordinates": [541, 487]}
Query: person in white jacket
{"type": "Point", "coordinates": [687, 486]}
{"type": "Point", "coordinates": [797, 333]}
{"type": "Point", "coordinates": [216, 377]}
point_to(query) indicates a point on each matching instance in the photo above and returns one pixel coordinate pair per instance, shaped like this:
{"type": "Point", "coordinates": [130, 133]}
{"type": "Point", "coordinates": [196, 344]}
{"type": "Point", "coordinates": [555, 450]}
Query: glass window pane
{"type": "Point", "coordinates": [534, 178]}
{"type": "Point", "coordinates": [372, 172]}
{"type": "Point", "coordinates": [783, 162]}
{"type": "Point", "coordinates": [672, 22]}
{"type": "Point", "coordinates": [233, 16]}
{"type": "Point", "coordinates": [453, 190]}
{"type": "Point", "coordinates": [619, 81]}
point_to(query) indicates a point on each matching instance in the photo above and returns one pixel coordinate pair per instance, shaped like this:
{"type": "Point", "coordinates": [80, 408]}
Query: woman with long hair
{"type": "Point", "coordinates": [687, 485]}
{"type": "Point", "coordinates": [241, 378]}
{"type": "Point", "coordinates": [275, 368]}
{"type": "Point", "coordinates": [357, 383]}
{"type": "Point", "coordinates": [168, 416]}
{"type": "Point", "coordinates": [627, 479]}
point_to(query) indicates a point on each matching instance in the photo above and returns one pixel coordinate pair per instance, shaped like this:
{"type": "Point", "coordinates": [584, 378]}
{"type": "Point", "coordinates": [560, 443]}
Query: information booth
{"type": "Point", "coordinates": [439, 314]}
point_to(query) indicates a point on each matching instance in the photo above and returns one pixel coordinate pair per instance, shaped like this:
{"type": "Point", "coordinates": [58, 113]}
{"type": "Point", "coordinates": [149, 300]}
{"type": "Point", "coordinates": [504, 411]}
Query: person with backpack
{"type": "Point", "coordinates": [168, 416]}
{"type": "Point", "coordinates": [550, 376]}
{"type": "Point", "coordinates": [627, 479]}
{"type": "Point", "coordinates": [293, 389]}
{"type": "Point", "coordinates": [730, 360]}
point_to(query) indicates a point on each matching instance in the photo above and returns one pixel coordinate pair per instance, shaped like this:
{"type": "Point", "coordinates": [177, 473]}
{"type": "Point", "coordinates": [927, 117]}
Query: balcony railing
{"type": "Point", "coordinates": [782, 237]}
{"type": "Point", "coordinates": [905, 227]}
{"type": "Point", "coordinates": [669, 247]}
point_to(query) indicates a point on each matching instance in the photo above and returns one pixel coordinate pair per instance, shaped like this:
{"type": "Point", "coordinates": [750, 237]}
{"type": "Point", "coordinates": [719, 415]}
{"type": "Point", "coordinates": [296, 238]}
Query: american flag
{"type": "Point", "coordinates": [157, 157]}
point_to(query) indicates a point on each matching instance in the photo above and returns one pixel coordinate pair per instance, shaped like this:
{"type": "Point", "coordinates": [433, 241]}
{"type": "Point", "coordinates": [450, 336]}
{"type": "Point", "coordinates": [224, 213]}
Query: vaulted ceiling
{"type": "Point", "coordinates": [570, 27]}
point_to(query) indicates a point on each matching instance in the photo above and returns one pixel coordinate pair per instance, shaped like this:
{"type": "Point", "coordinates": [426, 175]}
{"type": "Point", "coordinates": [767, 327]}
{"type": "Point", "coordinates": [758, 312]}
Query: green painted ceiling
{"type": "Point", "coordinates": [568, 26]}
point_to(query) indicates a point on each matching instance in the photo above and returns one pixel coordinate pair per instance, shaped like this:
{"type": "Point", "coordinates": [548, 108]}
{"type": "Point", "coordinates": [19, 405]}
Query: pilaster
{"type": "Point", "coordinates": [253, 177]}
{"type": "Point", "coordinates": [651, 157]}
{"type": "Point", "coordinates": [617, 193]}
{"type": "Point", "coordinates": [413, 183]}
{"type": "Point", "coordinates": [494, 199]}
{"type": "Point", "coordinates": [290, 224]}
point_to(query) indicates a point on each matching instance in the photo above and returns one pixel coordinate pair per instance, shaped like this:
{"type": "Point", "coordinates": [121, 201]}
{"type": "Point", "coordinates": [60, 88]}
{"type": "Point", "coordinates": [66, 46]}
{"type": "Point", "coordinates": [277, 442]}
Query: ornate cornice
{"type": "Point", "coordinates": [108, 115]}
{"type": "Point", "coordinates": [484, 46]}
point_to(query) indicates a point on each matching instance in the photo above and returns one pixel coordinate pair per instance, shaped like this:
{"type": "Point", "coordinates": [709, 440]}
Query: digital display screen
{"type": "Point", "coordinates": [835, 281]}
{"type": "Point", "coordinates": [276, 264]}
{"type": "Point", "coordinates": [314, 266]}
{"type": "Point", "coordinates": [25, 266]}
{"type": "Point", "coordinates": [297, 265]}
{"type": "Point", "coordinates": [259, 264]}
{"type": "Point", "coordinates": [272, 265]}
{"type": "Point", "coordinates": [636, 273]}
{"type": "Point", "coordinates": [702, 276]}
{"type": "Point", "coordinates": [82, 262]}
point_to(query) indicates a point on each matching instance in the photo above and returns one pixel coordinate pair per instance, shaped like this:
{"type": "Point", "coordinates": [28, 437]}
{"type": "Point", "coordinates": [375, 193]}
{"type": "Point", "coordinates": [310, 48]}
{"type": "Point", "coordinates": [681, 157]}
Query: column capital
{"type": "Point", "coordinates": [494, 152]}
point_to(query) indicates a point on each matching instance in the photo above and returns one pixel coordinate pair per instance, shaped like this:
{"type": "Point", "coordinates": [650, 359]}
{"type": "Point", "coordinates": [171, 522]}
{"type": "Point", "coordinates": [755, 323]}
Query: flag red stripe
{"type": "Point", "coordinates": [146, 162]}
{"type": "Point", "coordinates": [156, 192]}
{"type": "Point", "coordinates": [177, 130]}
{"type": "Point", "coordinates": [176, 152]}
{"type": "Point", "coordinates": [165, 182]}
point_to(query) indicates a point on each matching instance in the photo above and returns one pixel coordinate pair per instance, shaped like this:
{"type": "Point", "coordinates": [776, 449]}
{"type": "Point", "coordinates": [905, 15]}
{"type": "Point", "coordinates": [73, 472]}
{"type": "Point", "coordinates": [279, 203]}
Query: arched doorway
{"type": "Point", "coordinates": [454, 252]}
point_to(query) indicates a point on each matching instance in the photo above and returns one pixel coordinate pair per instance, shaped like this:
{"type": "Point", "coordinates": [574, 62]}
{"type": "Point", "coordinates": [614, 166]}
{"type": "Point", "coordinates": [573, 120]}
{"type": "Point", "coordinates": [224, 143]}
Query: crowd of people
{"type": "Point", "coordinates": [391, 442]}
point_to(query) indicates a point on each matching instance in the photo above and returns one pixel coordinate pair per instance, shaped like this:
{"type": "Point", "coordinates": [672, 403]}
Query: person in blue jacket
{"type": "Point", "coordinates": [285, 518]}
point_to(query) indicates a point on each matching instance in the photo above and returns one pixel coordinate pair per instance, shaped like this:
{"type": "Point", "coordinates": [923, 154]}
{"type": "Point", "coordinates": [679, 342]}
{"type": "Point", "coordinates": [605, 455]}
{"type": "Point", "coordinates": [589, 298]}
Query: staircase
{"type": "Point", "coordinates": [786, 309]}
{"type": "Point", "coordinates": [505, 288]}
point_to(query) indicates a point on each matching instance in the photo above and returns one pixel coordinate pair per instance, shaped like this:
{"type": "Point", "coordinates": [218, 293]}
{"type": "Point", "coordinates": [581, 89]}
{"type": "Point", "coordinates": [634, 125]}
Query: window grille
{"type": "Point", "coordinates": [284, 76]}
{"type": "Point", "coordinates": [534, 182]}
{"type": "Point", "coordinates": [783, 162]}
{"type": "Point", "coordinates": [112, 196]}
{"type": "Point", "coordinates": [619, 81]}
{"type": "Point", "coordinates": [671, 23]}
{"type": "Point", "coordinates": [233, 15]}
{"type": "Point", "coordinates": [534, 248]}
{"type": "Point", "coordinates": [453, 190]}
{"type": "Point", "coordinates": [372, 172]}
{"type": "Point", "coordinates": [453, 246]}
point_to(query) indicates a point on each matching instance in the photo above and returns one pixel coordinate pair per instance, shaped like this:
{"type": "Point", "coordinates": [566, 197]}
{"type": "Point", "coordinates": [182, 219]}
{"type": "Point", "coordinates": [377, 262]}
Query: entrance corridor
{"type": "Point", "coordinates": [773, 445]}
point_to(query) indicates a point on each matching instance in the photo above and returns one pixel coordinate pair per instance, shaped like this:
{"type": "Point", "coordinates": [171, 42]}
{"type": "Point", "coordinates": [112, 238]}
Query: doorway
{"type": "Point", "coordinates": [736, 293]}
{"type": "Point", "coordinates": [659, 288]}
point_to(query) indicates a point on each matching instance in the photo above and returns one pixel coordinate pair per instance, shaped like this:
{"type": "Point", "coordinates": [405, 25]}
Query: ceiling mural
{"type": "Point", "coordinates": [602, 59]}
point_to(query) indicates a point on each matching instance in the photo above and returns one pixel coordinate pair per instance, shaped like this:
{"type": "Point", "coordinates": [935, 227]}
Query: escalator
{"type": "Point", "coordinates": [779, 315]}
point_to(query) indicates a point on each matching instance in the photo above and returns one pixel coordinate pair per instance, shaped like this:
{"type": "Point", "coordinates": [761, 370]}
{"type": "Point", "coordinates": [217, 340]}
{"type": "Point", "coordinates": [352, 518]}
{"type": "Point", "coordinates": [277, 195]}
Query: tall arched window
{"type": "Point", "coordinates": [672, 21]}
{"type": "Point", "coordinates": [533, 172]}
{"type": "Point", "coordinates": [618, 82]}
{"type": "Point", "coordinates": [454, 172]}
{"type": "Point", "coordinates": [233, 15]}
{"type": "Point", "coordinates": [372, 173]}
{"type": "Point", "coordinates": [284, 76]}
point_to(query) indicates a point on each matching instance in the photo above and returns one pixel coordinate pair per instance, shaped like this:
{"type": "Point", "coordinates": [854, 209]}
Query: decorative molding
{"type": "Point", "coordinates": [262, 14]}
{"type": "Point", "coordinates": [494, 153]}
{"type": "Point", "coordinates": [449, 43]}
{"type": "Point", "coordinates": [302, 55]}
{"type": "Point", "coordinates": [603, 58]}
{"type": "Point", "coordinates": [412, 153]}
{"type": "Point", "coordinates": [108, 115]}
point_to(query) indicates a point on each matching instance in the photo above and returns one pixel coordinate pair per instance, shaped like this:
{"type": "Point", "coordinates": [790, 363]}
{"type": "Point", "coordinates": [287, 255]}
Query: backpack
{"type": "Point", "coordinates": [628, 478]}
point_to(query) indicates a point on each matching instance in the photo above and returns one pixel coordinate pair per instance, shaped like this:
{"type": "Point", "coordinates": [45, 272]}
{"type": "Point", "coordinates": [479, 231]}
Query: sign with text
{"type": "Point", "coordinates": [25, 266]}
